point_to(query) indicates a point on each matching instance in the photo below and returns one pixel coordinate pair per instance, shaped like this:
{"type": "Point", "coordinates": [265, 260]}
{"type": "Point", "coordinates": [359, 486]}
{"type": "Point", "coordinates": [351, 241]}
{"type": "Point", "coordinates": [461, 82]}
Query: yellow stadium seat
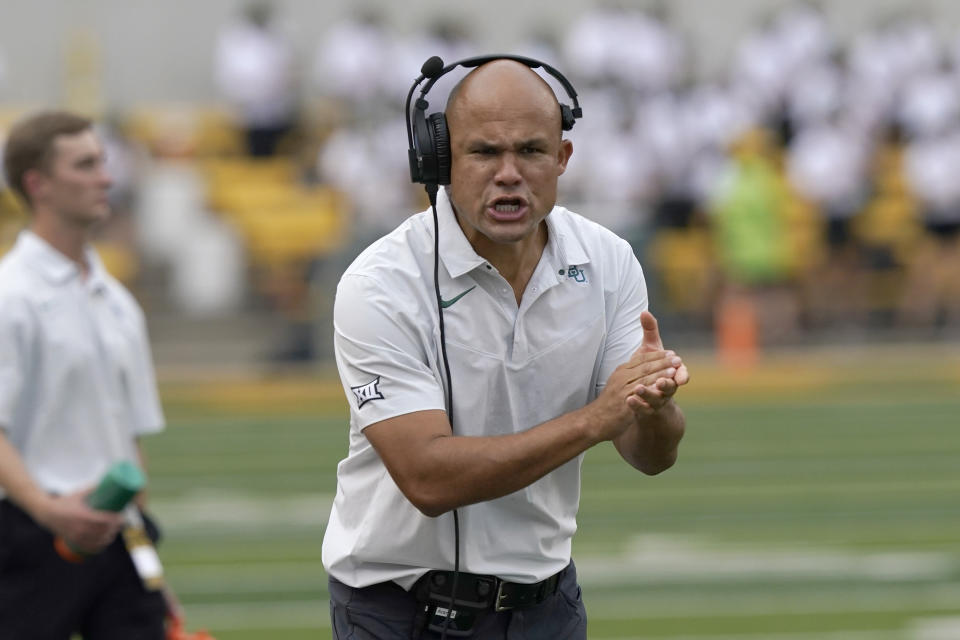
{"type": "Point", "coordinates": [230, 170]}
{"type": "Point", "coordinates": [684, 258]}
{"type": "Point", "coordinates": [237, 184]}
{"type": "Point", "coordinates": [184, 130]}
{"type": "Point", "coordinates": [312, 224]}
{"type": "Point", "coordinates": [237, 199]}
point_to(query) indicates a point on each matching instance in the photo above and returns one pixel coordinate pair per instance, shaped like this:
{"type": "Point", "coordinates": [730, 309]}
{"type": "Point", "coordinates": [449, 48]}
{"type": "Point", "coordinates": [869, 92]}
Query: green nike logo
{"type": "Point", "coordinates": [447, 303]}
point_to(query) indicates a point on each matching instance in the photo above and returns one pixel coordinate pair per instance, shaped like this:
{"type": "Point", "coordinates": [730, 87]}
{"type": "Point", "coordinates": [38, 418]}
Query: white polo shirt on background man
{"type": "Point", "coordinates": [513, 367]}
{"type": "Point", "coordinates": [77, 384]}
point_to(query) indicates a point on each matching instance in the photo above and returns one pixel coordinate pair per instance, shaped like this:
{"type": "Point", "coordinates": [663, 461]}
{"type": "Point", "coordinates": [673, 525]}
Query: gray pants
{"type": "Point", "coordinates": [386, 611]}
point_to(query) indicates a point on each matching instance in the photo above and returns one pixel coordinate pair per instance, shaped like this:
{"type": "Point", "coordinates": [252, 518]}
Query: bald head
{"type": "Point", "coordinates": [507, 152]}
{"type": "Point", "coordinates": [500, 90]}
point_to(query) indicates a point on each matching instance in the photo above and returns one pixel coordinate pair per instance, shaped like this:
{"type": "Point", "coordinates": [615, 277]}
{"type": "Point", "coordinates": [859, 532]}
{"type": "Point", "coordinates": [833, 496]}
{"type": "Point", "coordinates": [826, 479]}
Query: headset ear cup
{"type": "Point", "coordinates": [441, 146]}
{"type": "Point", "coordinates": [423, 141]}
{"type": "Point", "coordinates": [566, 117]}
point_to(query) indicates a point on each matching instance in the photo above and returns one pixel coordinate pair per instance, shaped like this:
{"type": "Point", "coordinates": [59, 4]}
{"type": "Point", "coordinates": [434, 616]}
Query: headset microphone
{"type": "Point", "coordinates": [430, 160]}
{"type": "Point", "coordinates": [432, 67]}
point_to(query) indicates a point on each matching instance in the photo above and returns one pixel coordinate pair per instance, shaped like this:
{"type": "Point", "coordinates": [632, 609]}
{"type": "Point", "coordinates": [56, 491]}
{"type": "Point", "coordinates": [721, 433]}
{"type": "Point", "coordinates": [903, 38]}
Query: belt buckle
{"type": "Point", "coordinates": [500, 596]}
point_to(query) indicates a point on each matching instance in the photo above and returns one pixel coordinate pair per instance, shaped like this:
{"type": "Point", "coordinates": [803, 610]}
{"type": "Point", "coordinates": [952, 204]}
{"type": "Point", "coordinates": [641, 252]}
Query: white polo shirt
{"type": "Point", "coordinates": [76, 376]}
{"type": "Point", "coordinates": [512, 367]}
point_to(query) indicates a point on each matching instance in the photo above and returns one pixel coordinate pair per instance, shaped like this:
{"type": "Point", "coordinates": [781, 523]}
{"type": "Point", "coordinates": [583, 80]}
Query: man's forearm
{"type": "Point", "coordinates": [16, 481]}
{"type": "Point", "coordinates": [453, 471]}
{"type": "Point", "coordinates": [438, 471]}
{"type": "Point", "coordinates": [651, 445]}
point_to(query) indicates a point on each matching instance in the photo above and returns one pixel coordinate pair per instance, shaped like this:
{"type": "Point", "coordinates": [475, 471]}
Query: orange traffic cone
{"type": "Point", "coordinates": [737, 332]}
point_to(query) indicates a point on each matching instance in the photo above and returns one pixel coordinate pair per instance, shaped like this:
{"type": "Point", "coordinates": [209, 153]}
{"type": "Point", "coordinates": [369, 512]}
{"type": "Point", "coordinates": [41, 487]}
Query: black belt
{"type": "Point", "coordinates": [456, 615]}
{"type": "Point", "coordinates": [484, 591]}
{"type": "Point", "coordinates": [514, 595]}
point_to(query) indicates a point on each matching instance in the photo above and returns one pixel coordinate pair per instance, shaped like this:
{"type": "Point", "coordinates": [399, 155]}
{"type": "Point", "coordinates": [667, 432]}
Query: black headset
{"type": "Point", "coordinates": [428, 136]}
{"type": "Point", "coordinates": [430, 161]}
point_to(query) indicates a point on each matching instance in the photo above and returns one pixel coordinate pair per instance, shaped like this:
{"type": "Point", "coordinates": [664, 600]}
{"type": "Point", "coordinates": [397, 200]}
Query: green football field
{"type": "Point", "coordinates": [815, 498]}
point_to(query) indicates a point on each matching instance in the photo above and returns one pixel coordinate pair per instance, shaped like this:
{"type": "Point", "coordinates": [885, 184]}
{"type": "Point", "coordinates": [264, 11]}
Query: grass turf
{"type": "Point", "coordinates": [826, 511]}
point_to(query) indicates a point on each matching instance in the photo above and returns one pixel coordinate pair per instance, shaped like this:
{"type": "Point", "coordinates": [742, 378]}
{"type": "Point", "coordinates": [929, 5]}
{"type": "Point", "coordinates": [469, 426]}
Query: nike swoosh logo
{"type": "Point", "coordinates": [447, 303]}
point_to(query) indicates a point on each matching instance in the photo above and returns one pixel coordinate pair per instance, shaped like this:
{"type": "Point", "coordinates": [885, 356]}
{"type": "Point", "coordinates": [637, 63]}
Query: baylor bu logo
{"type": "Point", "coordinates": [367, 392]}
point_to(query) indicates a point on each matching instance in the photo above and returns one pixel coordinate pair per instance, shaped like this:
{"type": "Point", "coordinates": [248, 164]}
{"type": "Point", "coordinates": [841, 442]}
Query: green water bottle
{"type": "Point", "coordinates": [122, 481]}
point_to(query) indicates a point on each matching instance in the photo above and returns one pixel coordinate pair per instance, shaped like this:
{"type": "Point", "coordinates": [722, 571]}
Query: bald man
{"type": "Point", "coordinates": [551, 351]}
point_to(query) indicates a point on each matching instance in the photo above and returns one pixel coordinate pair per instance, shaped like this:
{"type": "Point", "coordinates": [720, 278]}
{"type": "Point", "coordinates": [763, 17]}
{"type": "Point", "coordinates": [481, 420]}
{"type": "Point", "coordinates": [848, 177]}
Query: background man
{"type": "Point", "coordinates": [77, 389]}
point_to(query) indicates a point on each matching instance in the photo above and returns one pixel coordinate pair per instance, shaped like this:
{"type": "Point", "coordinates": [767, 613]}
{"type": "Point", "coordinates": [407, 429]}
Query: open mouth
{"type": "Point", "coordinates": [508, 208]}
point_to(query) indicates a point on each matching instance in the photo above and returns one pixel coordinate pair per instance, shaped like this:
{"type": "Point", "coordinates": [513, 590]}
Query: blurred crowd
{"type": "Point", "coordinates": [807, 186]}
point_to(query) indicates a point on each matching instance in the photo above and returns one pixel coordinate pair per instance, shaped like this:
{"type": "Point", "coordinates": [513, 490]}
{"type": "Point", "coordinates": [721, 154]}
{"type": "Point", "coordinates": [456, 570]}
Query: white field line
{"type": "Point", "coordinates": [935, 628]}
{"type": "Point", "coordinates": [205, 509]}
{"type": "Point", "coordinates": [287, 614]}
{"type": "Point", "coordinates": [268, 577]}
{"type": "Point", "coordinates": [258, 577]}
{"type": "Point", "coordinates": [658, 559]}
{"type": "Point", "coordinates": [945, 628]}
{"type": "Point", "coordinates": [314, 614]}
{"type": "Point", "coordinates": [897, 577]}
{"type": "Point", "coordinates": [801, 635]}
{"type": "Point", "coordinates": [647, 559]}
{"type": "Point", "coordinates": [747, 488]}
{"type": "Point", "coordinates": [738, 605]}
{"type": "Point", "coordinates": [296, 613]}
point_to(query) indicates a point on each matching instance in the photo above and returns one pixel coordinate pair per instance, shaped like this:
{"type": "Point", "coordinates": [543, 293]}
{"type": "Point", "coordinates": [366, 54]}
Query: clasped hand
{"type": "Point", "coordinates": [643, 385]}
{"type": "Point", "coordinates": [649, 396]}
